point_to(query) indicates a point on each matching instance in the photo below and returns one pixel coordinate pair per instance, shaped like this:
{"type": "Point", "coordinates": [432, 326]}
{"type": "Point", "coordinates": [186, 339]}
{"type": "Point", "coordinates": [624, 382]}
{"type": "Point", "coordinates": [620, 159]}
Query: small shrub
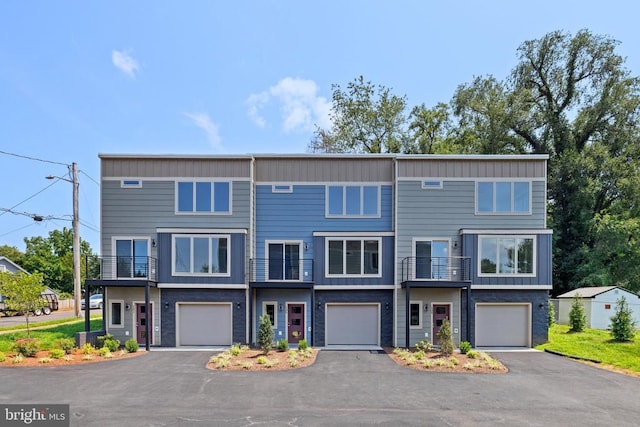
{"type": "Point", "coordinates": [424, 345]}
{"type": "Point", "coordinates": [411, 360]}
{"type": "Point", "coordinates": [88, 349]}
{"type": "Point", "coordinates": [270, 363]}
{"type": "Point", "coordinates": [468, 366]}
{"type": "Point", "coordinates": [222, 363]}
{"type": "Point", "coordinates": [104, 351]}
{"type": "Point", "coordinates": [131, 345]}
{"type": "Point", "coordinates": [87, 357]}
{"type": "Point", "coordinates": [261, 360]}
{"type": "Point", "coordinates": [56, 353]}
{"type": "Point", "coordinates": [111, 344]}
{"type": "Point", "coordinates": [465, 346]}
{"type": "Point", "coordinates": [441, 362]}
{"type": "Point", "coordinates": [445, 337]}
{"type": "Point", "coordinates": [44, 360]}
{"type": "Point", "coordinates": [265, 333]}
{"type": "Point", "coordinates": [235, 350]}
{"type": "Point", "coordinates": [551, 313]}
{"type": "Point", "coordinates": [577, 317]}
{"type": "Point", "coordinates": [66, 344]}
{"type": "Point", "coordinates": [293, 362]}
{"type": "Point", "coordinates": [302, 345]}
{"type": "Point", "coordinates": [419, 355]}
{"type": "Point", "coordinates": [623, 325]}
{"type": "Point", "coordinates": [3, 357]}
{"type": "Point", "coordinates": [428, 363]}
{"type": "Point", "coordinates": [283, 345]}
{"type": "Point", "coordinates": [68, 357]}
{"type": "Point", "coordinates": [18, 358]}
{"type": "Point", "coordinates": [246, 365]}
{"type": "Point", "coordinates": [472, 354]}
{"type": "Point", "coordinates": [454, 361]}
{"type": "Point", "coordinates": [27, 347]}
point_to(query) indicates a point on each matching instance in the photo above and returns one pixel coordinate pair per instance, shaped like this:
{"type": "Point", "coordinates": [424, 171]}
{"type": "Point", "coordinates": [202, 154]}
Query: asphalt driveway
{"type": "Point", "coordinates": [341, 388]}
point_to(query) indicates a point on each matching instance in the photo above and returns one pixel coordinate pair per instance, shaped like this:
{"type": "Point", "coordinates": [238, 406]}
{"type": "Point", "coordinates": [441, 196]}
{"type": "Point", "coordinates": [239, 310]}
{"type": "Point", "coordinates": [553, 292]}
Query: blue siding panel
{"type": "Point", "coordinates": [237, 263]}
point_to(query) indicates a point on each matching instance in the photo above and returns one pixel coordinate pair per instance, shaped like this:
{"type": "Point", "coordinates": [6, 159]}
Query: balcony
{"type": "Point", "coordinates": [280, 270]}
{"type": "Point", "coordinates": [121, 268]}
{"type": "Point", "coordinates": [436, 269]}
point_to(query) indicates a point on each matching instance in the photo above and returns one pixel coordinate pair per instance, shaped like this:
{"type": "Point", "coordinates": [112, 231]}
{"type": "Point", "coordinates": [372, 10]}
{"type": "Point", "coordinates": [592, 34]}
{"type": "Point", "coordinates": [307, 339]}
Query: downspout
{"type": "Point", "coordinates": [146, 322]}
{"type": "Point", "coordinates": [407, 298]}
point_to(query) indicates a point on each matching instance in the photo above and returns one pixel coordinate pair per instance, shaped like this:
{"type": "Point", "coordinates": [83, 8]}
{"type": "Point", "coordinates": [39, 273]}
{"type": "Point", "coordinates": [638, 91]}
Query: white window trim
{"type": "Point", "coordinates": [431, 187]}
{"type": "Point", "coordinates": [300, 244]}
{"type": "Point", "coordinates": [212, 181]}
{"type": "Point", "coordinates": [344, 259]}
{"type": "Point", "coordinates": [275, 189]}
{"type": "Point", "coordinates": [344, 201]}
{"type": "Point", "coordinates": [430, 239]}
{"type": "Point", "coordinates": [192, 236]}
{"type": "Point", "coordinates": [420, 313]}
{"type": "Point", "coordinates": [124, 184]}
{"type": "Point", "coordinates": [112, 325]}
{"type": "Point", "coordinates": [275, 311]}
{"type": "Point", "coordinates": [114, 258]}
{"type": "Point", "coordinates": [508, 236]}
{"type": "Point", "coordinates": [512, 181]}
{"type": "Point", "coordinates": [3, 267]}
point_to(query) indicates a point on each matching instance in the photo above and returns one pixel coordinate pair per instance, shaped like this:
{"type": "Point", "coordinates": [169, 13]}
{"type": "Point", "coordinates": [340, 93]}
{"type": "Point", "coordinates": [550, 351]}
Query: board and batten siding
{"type": "Point", "coordinates": [297, 215]}
{"type": "Point", "coordinates": [174, 166]}
{"type": "Point", "coordinates": [324, 169]}
{"type": "Point", "coordinates": [506, 167]}
{"type": "Point", "coordinates": [443, 212]}
{"type": "Point", "coordinates": [140, 211]}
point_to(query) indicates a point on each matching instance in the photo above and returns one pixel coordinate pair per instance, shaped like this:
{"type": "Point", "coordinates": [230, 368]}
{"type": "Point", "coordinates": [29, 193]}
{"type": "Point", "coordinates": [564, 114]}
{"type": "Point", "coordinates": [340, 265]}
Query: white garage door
{"type": "Point", "coordinates": [503, 325]}
{"type": "Point", "coordinates": [352, 324]}
{"type": "Point", "coordinates": [204, 324]}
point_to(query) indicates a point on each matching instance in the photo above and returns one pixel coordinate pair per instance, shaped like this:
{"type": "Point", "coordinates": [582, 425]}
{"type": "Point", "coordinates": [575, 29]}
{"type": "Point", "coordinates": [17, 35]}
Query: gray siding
{"type": "Point", "coordinates": [189, 167]}
{"type": "Point", "coordinates": [539, 310]}
{"type": "Point", "coordinates": [383, 297]}
{"type": "Point", "coordinates": [171, 296]}
{"type": "Point", "coordinates": [543, 263]}
{"type": "Point", "coordinates": [472, 168]}
{"type": "Point", "coordinates": [324, 169]}
{"type": "Point", "coordinates": [237, 263]}
{"type": "Point", "coordinates": [129, 296]}
{"type": "Point", "coordinates": [386, 260]}
{"type": "Point", "coordinates": [442, 213]}
{"type": "Point", "coordinates": [140, 211]}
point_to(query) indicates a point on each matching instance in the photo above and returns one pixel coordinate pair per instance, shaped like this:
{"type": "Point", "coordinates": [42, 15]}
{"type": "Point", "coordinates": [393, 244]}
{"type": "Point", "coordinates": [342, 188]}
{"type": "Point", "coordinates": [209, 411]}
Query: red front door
{"type": "Point", "coordinates": [142, 317]}
{"type": "Point", "coordinates": [440, 312]}
{"type": "Point", "coordinates": [295, 322]}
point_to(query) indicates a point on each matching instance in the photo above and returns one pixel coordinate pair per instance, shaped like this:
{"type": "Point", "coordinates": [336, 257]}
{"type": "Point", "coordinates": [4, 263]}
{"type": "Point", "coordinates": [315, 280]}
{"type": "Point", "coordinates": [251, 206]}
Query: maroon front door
{"type": "Point", "coordinates": [295, 322]}
{"type": "Point", "coordinates": [142, 317]}
{"type": "Point", "coordinates": [440, 312]}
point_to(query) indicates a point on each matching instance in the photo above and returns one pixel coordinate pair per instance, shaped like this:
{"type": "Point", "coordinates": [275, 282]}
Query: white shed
{"type": "Point", "coordinates": [599, 304]}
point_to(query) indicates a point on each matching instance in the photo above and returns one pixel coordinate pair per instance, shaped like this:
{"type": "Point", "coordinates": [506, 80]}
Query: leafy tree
{"type": "Point", "coordinates": [53, 257]}
{"type": "Point", "coordinates": [445, 338]}
{"type": "Point", "coordinates": [431, 131]}
{"type": "Point", "coordinates": [12, 253]}
{"type": "Point", "coordinates": [623, 325]}
{"type": "Point", "coordinates": [22, 293]}
{"type": "Point", "coordinates": [577, 317]}
{"type": "Point", "coordinates": [265, 333]}
{"type": "Point", "coordinates": [366, 119]}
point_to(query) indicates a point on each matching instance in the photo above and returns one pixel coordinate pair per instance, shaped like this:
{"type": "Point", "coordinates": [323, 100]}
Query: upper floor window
{"type": "Point", "coordinates": [353, 257]}
{"type": "Point", "coordinates": [131, 183]}
{"type": "Point", "coordinates": [207, 197]}
{"type": "Point", "coordinates": [282, 188]}
{"type": "Point", "coordinates": [506, 255]}
{"type": "Point", "coordinates": [353, 200]}
{"type": "Point", "coordinates": [432, 184]}
{"type": "Point", "coordinates": [503, 197]}
{"type": "Point", "coordinates": [200, 255]}
{"type": "Point", "coordinates": [132, 257]}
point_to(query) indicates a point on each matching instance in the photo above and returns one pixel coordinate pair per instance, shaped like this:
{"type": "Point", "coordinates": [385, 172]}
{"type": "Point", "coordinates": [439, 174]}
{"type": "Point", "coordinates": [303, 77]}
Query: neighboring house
{"type": "Point", "coordinates": [339, 250]}
{"type": "Point", "coordinates": [599, 304]}
{"type": "Point", "coordinates": [9, 266]}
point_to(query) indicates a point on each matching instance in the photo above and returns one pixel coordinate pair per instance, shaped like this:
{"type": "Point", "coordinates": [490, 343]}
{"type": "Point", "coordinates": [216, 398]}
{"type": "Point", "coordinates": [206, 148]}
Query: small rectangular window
{"type": "Point", "coordinates": [131, 183]}
{"type": "Point", "coordinates": [431, 184]}
{"type": "Point", "coordinates": [278, 188]}
{"type": "Point", "coordinates": [270, 310]}
{"type": "Point", "coordinates": [116, 314]}
{"type": "Point", "coordinates": [415, 314]}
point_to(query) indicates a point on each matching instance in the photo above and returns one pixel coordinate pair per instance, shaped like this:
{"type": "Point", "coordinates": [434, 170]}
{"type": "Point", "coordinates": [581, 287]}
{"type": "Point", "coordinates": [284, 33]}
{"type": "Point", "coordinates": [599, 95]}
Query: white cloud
{"type": "Point", "coordinates": [125, 63]}
{"type": "Point", "coordinates": [300, 106]}
{"type": "Point", "coordinates": [203, 121]}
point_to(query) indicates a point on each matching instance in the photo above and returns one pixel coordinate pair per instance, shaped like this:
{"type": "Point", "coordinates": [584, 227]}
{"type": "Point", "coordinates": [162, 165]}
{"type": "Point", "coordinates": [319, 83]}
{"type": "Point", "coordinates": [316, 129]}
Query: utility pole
{"type": "Point", "coordinates": [76, 240]}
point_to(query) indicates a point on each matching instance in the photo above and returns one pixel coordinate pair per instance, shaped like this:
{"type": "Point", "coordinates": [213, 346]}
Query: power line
{"type": "Point", "coordinates": [85, 174]}
{"type": "Point", "coordinates": [28, 198]}
{"type": "Point", "coordinates": [33, 158]}
{"type": "Point", "coordinates": [17, 229]}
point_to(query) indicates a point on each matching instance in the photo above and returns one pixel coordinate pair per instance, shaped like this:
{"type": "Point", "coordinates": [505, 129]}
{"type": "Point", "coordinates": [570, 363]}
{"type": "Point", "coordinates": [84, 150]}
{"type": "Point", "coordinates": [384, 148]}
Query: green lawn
{"type": "Point", "coordinates": [35, 324]}
{"type": "Point", "coordinates": [49, 336]}
{"type": "Point", "coordinates": [594, 344]}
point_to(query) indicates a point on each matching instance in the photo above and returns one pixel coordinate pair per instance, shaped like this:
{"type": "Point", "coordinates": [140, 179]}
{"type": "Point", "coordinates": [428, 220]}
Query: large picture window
{"type": "Point", "coordinates": [353, 257]}
{"type": "Point", "coordinates": [200, 255]}
{"type": "Point", "coordinates": [503, 197]}
{"type": "Point", "coordinates": [353, 200]}
{"type": "Point", "coordinates": [507, 255]}
{"type": "Point", "coordinates": [205, 197]}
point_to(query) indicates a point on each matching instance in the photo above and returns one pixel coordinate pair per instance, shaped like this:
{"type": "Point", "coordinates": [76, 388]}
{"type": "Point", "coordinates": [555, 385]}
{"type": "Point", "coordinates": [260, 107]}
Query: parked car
{"type": "Point", "coordinates": [95, 301]}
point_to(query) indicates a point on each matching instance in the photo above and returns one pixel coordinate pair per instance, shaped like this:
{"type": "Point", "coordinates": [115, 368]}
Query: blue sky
{"type": "Point", "coordinates": [80, 78]}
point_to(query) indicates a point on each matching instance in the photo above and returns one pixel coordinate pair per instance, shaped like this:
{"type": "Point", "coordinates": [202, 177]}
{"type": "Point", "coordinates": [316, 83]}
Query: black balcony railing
{"type": "Point", "coordinates": [122, 268]}
{"type": "Point", "coordinates": [280, 270]}
{"type": "Point", "coordinates": [452, 269]}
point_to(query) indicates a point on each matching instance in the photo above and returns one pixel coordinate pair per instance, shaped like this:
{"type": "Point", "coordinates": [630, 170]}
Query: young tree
{"type": "Point", "coordinates": [265, 333]}
{"type": "Point", "coordinates": [551, 314]}
{"type": "Point", "coordinates": [577, 317]}
{"type": "Point", "coordinates": [445, 338]}
{"type": "Point", "coordinates": [22, 293]}
{"type": "Point", "coordinates": [623, 325]}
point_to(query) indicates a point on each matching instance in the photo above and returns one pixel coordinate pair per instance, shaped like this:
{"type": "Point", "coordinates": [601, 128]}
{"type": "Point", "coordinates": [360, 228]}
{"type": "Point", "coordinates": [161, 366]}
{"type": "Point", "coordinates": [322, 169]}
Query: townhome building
{"type": "Point", "coordinates": [338, 250]}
